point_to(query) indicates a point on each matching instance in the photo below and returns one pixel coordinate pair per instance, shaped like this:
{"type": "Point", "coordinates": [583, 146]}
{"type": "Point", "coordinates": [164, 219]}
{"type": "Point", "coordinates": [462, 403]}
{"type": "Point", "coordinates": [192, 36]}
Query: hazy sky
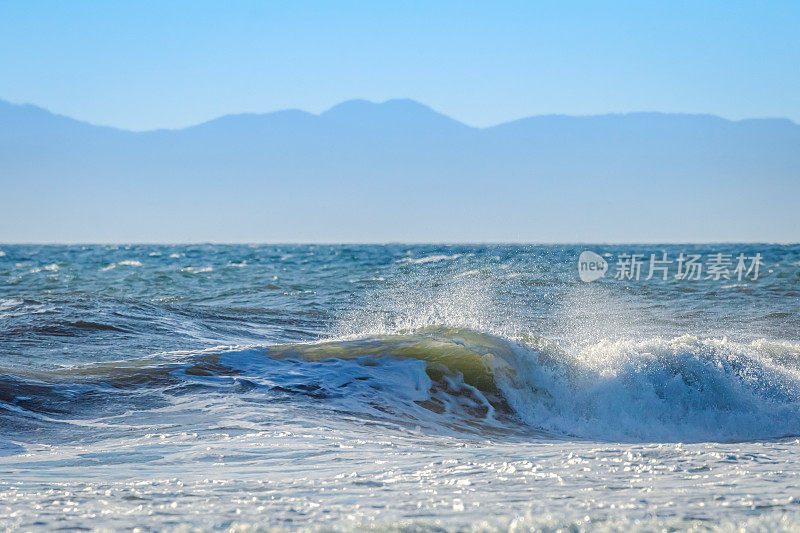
{"type": "Point", "coordinates": [149, 64]}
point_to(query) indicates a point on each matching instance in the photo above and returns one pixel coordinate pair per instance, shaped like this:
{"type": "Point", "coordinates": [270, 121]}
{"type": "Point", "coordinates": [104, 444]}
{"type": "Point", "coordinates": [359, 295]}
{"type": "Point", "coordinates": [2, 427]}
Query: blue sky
{"type": "Point", "coordinates": [149, 64]}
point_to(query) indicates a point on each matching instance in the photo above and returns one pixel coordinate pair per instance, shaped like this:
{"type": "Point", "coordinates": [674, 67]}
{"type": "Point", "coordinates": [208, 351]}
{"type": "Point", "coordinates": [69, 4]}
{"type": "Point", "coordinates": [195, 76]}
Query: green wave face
{"type": "Point", "coordinates": [476, 356]}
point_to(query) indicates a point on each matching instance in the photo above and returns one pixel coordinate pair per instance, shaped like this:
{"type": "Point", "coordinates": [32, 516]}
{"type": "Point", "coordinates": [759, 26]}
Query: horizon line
{"type": "Point", "coordinates": [402, 243]}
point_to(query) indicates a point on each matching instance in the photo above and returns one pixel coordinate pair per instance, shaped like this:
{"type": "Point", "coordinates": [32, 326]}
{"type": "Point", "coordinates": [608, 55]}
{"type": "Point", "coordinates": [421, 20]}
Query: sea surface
{"type": "Point", "coordinates": [396, 387]}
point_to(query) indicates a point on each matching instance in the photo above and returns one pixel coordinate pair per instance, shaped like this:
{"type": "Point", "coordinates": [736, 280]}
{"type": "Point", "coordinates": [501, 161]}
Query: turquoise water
{"type": "Point", "coordinates": [398, 386]}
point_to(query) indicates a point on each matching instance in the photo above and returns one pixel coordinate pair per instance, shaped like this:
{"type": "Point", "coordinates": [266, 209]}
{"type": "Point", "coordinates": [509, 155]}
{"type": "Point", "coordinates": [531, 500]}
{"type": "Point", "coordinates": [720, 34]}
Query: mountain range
{"type": "Point", "coordinates": [400, 171]}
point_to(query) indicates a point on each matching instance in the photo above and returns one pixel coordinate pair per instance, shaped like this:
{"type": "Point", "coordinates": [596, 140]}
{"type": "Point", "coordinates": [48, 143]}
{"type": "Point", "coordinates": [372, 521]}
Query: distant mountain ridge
{"type": "Point", "coordinates": [400, 171]}
{"type": "Point", "coordinates": [359, 108]}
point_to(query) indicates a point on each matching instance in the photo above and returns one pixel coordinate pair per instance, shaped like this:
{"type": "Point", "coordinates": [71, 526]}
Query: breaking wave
{"type": "Point", "coordinates": [458, 380]}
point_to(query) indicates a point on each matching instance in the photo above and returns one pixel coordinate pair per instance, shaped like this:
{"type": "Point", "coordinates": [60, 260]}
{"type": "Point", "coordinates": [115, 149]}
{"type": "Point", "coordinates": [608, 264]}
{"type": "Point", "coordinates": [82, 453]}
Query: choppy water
{"type": "Point", "coordinates": [412, 387]}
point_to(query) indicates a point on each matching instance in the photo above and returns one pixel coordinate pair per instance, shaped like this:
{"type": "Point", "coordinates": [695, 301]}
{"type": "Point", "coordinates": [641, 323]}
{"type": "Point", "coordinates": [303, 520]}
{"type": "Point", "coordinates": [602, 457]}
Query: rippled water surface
{"type": "Point", "coordinates": [394, 387]}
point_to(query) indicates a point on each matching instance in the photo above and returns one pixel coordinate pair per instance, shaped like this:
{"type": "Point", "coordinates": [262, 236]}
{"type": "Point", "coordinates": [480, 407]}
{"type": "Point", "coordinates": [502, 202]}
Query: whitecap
{"type": "Point", "coordinates": [49, 268]}
{"type": "Point", "coordinates": [6, 303]}
{"type": "Point", "coordinates": [429, 259]}
{"type": "Point", "coordinates": [197, 270]}
{"type": "Point", "coordinates": [127, 262]}
{"type": "Point", "coordinates": [658, 389]}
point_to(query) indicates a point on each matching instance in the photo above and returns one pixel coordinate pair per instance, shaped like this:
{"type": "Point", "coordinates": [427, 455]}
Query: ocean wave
{"type": "Point", "coordinates": [46, 268]}
{"type": "Point", "coordinates": [197, 269]}
{"type": "Point", "coordinates": [8, 303]}
{"type": "Point", "coordinates": [127, 262]}
{"type": "Point", "coordinates": [661, 389]}
{"type": "Point", "coordinates": [429, 259]}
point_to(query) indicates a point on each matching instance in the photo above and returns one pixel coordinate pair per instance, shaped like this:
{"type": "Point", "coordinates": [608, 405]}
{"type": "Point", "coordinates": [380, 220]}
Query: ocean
{"type": "Point", "coordinates": [399, 387]}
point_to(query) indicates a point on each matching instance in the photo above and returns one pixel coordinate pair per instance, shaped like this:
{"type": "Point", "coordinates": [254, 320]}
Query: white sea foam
{"type": "Point", "coordinates": [47, 268]}
{"type": "Point", "coordinates": [8, 303]}
{"type": "Point", "coordinates": [428, 259]}
{"type": "Point", "coordinates": [197, 269]}
{"type": "Point", "coordinates": [664, 389]}
{"type": "Point", "coordinates": [127, 262]}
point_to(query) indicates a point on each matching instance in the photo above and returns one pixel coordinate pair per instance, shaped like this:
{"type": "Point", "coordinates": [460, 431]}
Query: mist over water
{"type": "Point", "coordinates": [415, 386]}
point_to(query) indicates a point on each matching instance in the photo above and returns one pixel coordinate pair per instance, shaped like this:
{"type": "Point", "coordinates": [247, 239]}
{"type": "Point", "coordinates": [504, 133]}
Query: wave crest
{"type": "Point", "coordinates": [659, 389]}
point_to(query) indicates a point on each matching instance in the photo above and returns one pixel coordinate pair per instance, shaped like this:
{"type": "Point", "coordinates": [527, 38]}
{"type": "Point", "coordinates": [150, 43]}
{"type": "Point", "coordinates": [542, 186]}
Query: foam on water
{"type": "Point", "coordinates": [679, 389]}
